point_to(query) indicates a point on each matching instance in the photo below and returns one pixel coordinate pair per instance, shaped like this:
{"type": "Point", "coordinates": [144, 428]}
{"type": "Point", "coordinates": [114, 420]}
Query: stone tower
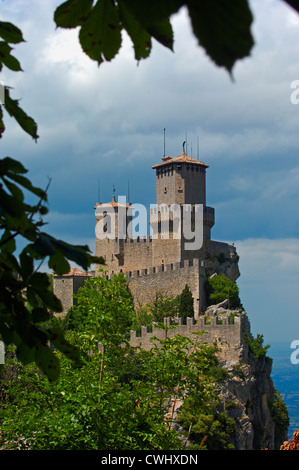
{"type": "Point", "coordinates": [180, 220]}
{"type": "Point", "coordinates": [112, 225]}
{"type": "Point", "coordinates": [180, 184]}
{"type": "Point", "coordinates": [180, 180]}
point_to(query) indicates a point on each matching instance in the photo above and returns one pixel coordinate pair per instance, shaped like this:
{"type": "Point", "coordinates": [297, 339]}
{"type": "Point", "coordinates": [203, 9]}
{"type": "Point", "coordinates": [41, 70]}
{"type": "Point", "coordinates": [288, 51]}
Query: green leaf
{"type": "Point", "coordinates": [26, 265]}
{"type": "Point", "coordinates": [223, 29]}
{"type": "Point", "coordinates": [59, 264]}
{"type": "Point", "coordinates": [77, 253]}
{"type": "Point", "coordinates": [154, 17]}
{"type": "Point", "coordinates": [162, 32]}
{"type": "Point", "coordinates": [100, 35]}
{"type": "Point", "coordinates": [43, 245]}
{"type": "Point", "coordinates": [140, 37]}
{"type": "Point", "coordinates": [9, 261]}
{"type": "Point", "coordinates": [10, 33]}
{"type": "Point", "coordinates": [39, 314]}
{"type": "Point", "coordinates": [58, 340]}
{"type": "Point", "coordinates": [72, 13]}
{"type": "Point", "coordinates": [7, 242]}
{"type": "Point", "coordinates": [294, 4]}
{"type": "Point", "coordinates": [11, 206]}
{"type": "Point", "coordinates": [14, 110]}
{"type": "Point", "coordinates": [47, 361]}
{"type": "Point", "coordinates": [40, 284]}
{"type": "Point", "coordinates": [8, 164]}
{"type": "Point", "coordinates": [25, 353]}
{"type": "Point", "coordinates": [2, 127]}
{"type": "Point", "coordinates": [26, 183]}
{"type": "Point", "coordinates": [14, 189]}
{"type": "Point", "coordinates": [7, 59]}
{"type": "Point", "coordinates": [154, 11]}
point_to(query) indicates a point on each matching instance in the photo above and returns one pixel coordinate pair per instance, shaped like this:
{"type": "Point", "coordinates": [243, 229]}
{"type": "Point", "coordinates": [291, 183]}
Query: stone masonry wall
{"type": "Point", "coordinates": [169, 280]}
{"type": "Point", "coordinates": [63, 289]}
{"type": "Point", "coordinates": [227, 334]}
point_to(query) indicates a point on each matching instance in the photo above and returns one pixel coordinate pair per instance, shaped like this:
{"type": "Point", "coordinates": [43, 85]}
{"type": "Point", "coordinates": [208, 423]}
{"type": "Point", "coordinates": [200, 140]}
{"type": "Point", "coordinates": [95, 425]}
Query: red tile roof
{"type": "Point", "coordinates": [74, 272]}
{"type": "Point", "coordinates": [113, 203]}
{"type": "Point", "coordinates": [180, 159]}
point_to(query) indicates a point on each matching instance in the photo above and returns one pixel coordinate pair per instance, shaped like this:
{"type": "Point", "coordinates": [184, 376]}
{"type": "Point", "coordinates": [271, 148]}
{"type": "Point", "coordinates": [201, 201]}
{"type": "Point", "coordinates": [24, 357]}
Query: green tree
{"type": "Point", "coordinates": [220, 288]}
{"type": "Point", "coordinates": [120, 398]}
{"type": "Point", "coordinates": [280, 416]}
{"type": "Point", "coordinates": [100, 305]}
{"type": "Point", "coordinates": [163, 306]}
{"type": "Point", "coordinates": [186, 303]}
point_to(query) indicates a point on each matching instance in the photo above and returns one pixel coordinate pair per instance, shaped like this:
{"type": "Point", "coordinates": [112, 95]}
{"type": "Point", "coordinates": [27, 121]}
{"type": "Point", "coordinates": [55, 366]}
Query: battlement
{"type": "Point", "coordinates": [129, 240]}
{"type": "Point", "coordinates": [186, 264]}
{"type": "Point", "coordinates": [175, 208]}
{"type": "Point", "coordinates": [227, 333]}
{"type": "Point", "coordinates": [165, 268]}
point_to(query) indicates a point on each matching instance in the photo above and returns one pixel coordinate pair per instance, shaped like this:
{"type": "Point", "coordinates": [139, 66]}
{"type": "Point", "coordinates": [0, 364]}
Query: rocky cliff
{"type": "Point", "coordinates": [248, 394]}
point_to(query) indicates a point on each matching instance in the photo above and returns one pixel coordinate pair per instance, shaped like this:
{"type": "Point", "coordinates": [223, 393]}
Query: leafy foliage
{"type": "Point", "coordinates": [220, 288]}
{"type": "Point", "coordinates": [27, 298]}
{"type": "Point", "coordinates": [256, 345]}
{"type": "Point", "coordinates": [280, 416]}
{"type": "Point", "coordinates": [293, 443]}
{"type": "Point", "coordinates": [101, 304]}
{"type": "Point", "coordinates": [11, 34]}
{"type": "Point", "coordinates": [186, 304]}
{"type": "Point", "coordinates": [120, 398]}
{"type": "Point", "coordinates": [221, 27]}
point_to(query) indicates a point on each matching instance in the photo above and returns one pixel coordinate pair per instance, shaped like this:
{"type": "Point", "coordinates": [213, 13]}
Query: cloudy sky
{"type": "Point", "coordinates": [103, 126]}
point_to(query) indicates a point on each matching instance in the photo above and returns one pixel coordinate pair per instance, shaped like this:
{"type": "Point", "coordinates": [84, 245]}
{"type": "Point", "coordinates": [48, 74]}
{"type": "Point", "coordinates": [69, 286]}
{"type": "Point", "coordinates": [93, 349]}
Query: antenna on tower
{"type": "Point", "coordinates": [186, 144]}
{"type": "Point", "coordinates": [197, 148]}
{"type": "Point", "coordinates": [128, 191]}
{"type": "Point", "coordinates": [164, 143]}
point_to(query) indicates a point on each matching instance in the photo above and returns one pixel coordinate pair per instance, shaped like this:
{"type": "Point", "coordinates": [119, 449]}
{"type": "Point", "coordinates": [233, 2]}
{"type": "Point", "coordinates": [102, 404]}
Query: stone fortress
{"type": "Point", "coordinates": [160, 262]}
{"type": "Point", "coordinates": [165, 261]}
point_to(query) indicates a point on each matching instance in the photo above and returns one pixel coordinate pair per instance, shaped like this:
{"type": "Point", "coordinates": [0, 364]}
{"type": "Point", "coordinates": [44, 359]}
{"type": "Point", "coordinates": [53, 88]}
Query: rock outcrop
{"type": "Point", "coordinates": [247, 394]}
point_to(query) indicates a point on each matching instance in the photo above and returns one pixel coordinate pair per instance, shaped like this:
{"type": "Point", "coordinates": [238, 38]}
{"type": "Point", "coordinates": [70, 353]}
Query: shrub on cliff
{"type": "Point", "coordinates": [219, 288]}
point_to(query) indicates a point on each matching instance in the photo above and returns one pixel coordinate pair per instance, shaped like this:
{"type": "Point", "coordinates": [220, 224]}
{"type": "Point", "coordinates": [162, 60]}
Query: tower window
{"type": "Point", "coordinates": [165, 190]}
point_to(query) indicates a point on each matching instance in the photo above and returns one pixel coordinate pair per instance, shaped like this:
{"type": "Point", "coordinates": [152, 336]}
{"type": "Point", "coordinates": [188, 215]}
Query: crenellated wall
{"type": "Point", "coordinates": [227, 333]}
{"type": "Point", "coordinates": [170, 280]}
